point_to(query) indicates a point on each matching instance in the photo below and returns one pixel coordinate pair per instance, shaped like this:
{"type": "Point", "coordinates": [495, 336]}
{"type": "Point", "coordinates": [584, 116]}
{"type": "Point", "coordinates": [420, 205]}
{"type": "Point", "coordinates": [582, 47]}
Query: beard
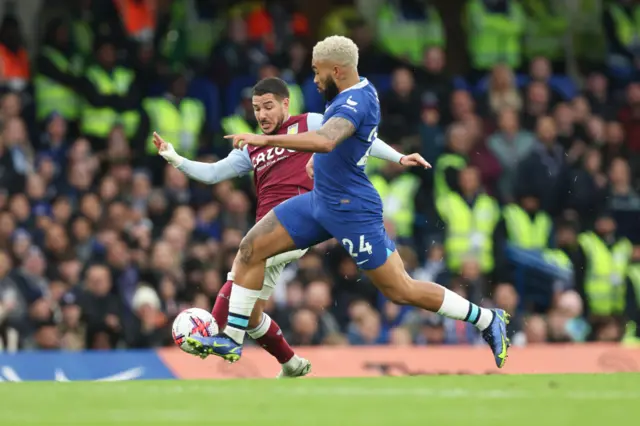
{"type": "Point", "coordinates": [275, 128]}
{"type": "Point", "coordinates": [330, 90]}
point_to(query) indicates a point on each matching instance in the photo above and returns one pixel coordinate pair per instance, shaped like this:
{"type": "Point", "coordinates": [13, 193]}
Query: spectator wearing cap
{"type": "Point", "coordinates": [149, 327]}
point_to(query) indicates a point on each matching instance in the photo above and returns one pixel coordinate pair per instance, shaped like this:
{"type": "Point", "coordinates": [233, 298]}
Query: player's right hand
{"type": "Point", "coordinates": [166, 150]}
{"type": "Point", "coordinates": [309, 167]}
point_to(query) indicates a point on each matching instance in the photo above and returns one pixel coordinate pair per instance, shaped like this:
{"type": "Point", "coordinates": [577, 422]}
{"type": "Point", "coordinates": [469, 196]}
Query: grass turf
{"type": "Point", "coordinates": [392, 401]}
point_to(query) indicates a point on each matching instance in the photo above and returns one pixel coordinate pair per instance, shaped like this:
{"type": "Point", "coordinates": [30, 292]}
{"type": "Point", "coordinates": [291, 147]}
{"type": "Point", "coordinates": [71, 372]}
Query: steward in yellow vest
{"type": "Point", "coordinates": [527, 227]}
{"type": "Point", "coordinates": [606, 259]}
{"type": "Point", "coordinates": [179, 119]}
{"type": "Point", "coordinates": [406, 32]}
{"type": "Point", "coordinates": [57, 79]}
{"type": "Point", "coordinates": [632, 332]}
{"type": "Point", "coordinates": [111, 96]}
{"type": "Point", "coordinates": [546, 30]}
{"type": "Point", "coordinates": [494, 32]}
{"type": "Point", "coordinates": [244, 120]}
{"type": "Point", "coordinates": [398, 190]}
{"type": "Point", "coordinates": [470, 220]}
{"type": "Point", "coordinates": [622, 31]}
{"type": "Point", "coordinates": [451, 161]}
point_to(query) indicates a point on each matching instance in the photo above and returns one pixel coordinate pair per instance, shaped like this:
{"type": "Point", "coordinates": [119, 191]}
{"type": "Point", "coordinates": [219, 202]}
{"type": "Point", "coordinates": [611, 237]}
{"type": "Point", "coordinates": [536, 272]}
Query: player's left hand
{"type": "Point", "coordinates": [242, 139]}
{"type": "Point", "coordinates": [413, 160]}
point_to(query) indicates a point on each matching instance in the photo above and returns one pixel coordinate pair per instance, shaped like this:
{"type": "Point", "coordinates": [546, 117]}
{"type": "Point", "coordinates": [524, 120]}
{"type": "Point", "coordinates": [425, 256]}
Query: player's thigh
{"type": "Point", "coordinates": [391, 279]}
{"type": "Point", "coordinates": [365, 239]}
{"type": "Point", "coordinates": [271, 277]}
{"type": "Point", "coordinates": [296, 215]}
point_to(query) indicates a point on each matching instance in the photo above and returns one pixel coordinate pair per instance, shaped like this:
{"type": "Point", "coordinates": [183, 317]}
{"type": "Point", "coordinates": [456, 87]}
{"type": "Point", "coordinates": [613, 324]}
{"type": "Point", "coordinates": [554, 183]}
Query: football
{"type": "Point", "coordinates": [190, 322]}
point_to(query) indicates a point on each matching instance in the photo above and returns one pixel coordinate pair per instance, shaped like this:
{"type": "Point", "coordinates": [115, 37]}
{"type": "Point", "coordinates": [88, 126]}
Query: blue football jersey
{"type": "Point", "coordinates": [339, 174]}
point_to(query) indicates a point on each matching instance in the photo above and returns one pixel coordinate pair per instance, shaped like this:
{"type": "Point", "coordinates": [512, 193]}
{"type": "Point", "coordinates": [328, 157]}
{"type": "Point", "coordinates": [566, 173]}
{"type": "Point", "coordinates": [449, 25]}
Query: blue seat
{"type": "Point", "coordinates": [460, 83]}
{"type": "Point", "coordinates": [208, 93]}
{"type": "Point", "coordinates": [233, 93]}
{"type": "Point", "coordinates": [483, 85]}
{"type": "Point", "coordinates": [313, 100]}
{"type": "Point", "coordinates": [564, 85]}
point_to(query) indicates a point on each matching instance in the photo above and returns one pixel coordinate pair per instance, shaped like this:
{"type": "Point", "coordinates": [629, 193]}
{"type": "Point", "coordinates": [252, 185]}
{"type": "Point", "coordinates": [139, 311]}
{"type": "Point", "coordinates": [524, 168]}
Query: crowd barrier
{"type": "Point", "coordinates": [171, 363]}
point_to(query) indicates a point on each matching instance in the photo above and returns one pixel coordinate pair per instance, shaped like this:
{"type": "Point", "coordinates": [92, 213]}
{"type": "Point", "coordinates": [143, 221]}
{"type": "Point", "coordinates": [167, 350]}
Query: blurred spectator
{"type": "Point", "coordinates": [406, 28]}
{"type": "Point", "coordinates": [537, 104]}
{"type": "Point", "coordinates": [236, 54]}
{"type": "Point", "coordinates": [588, 186]}
{"type": "Point", "coordinates": [470, 220]}
{"type": "Point", "coordinates": [397, 191]}
{"type": "Point", "coordinates": [546, 30]}
{"type": "Point", "coordinates": [614, 143]}
{"type": "Point", "coordinates": [600, 275]}
{"type": "Point", "coordinates": [494, 28]}
{"type": "Point", "coordinates": [544, 171]}
{"type": "Point", "coordinates": [57, 80]}
{"type": "Point", "coordinates": [480, 155]}
{"type": "Point", "coordinates": [275, 24]}
{"type": "Point", "coordinates": [15, 69]}
{"type": "Point", "coordinates": [540, 71]}
{"type": "Point", "coordinates": [304, 327]}
{"type": "Point", "coordinates": [371, 59]}
{"type": "Point", "coordinates": [511, 145]}
{"type": "Point", "coordinates": [454, 158]}
{"type": "Point", "coordinates": [178, 118]}
{"type": "Point", "coordinates": [431, 79]}
{"type": "Point", "coordinates": [619, 26]}
{"type": "Point", "coordinates": [503, 92]}
{"type": "Point", "coordinates": [597, 93]}
{"type": "Point", "coordinates": [401, 106]}
{"type": "Point", "coordinates": [339, 19]}
{"type": "Point", "coordinates": [629, 116]}
{"type": "Point", "coordinates": [113, 99]}
{"type": "Point", "coordinates": [623, 202]}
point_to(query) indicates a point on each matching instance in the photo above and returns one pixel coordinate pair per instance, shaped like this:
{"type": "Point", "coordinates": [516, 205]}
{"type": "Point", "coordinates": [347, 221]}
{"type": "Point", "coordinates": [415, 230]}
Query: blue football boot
{"type": "Point", "coordinates": [221, 345]}
{"type": "Point", "coordinates": [496, 336]}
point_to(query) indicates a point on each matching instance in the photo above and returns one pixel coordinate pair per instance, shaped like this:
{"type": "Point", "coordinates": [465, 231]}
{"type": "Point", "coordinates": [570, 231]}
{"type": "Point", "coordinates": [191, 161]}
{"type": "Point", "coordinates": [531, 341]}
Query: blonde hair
{"type": "Point", "coordinates": [503, 97]}
{"type": "Point", "coordinates": [338, 49]}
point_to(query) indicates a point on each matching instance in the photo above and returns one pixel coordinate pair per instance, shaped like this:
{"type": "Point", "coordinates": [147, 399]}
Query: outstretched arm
{"type": "Point", "coordinates": [325, 139]}
{"type": "Point", "coordinates": [236, 164]}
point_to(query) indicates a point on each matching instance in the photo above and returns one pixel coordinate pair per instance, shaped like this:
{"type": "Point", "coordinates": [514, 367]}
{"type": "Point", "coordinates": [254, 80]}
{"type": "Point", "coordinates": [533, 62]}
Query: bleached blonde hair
{"type": "Point", "coordinates": [337, 49]}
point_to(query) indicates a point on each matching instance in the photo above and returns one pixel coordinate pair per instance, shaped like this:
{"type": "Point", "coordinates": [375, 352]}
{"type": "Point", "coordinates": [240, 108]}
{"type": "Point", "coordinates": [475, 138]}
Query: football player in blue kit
{"type": "Point", "coordinates": [343, 205]}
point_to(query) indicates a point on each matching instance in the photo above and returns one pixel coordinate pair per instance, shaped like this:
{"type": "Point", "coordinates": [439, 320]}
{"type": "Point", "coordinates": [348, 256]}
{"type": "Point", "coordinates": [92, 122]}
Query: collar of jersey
{"type": "Point", "coordinates": [363, 82]}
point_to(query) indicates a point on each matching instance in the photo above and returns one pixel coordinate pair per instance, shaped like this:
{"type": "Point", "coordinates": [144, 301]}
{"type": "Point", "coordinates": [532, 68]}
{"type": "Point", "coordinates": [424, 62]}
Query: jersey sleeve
{"type": "Point", "coordinates": [380, 149]}
{"type": "Point", "coordinates": [352, 109]}
{"type": "Point", "coordinates": [237, 163]}
{"type": "Point", "coordinates": [314, 121]}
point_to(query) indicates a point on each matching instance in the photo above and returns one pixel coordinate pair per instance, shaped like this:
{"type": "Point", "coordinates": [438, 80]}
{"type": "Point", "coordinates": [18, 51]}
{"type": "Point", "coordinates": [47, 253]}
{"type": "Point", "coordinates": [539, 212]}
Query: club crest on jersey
{"type": "Point", "coordinates": [293, 129]}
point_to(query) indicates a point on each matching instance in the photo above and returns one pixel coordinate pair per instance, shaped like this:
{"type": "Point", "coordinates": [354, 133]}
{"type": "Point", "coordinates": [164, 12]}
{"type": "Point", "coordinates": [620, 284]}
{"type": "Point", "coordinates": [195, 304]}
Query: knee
{"type": "Point", "coordinates": [246, 251]}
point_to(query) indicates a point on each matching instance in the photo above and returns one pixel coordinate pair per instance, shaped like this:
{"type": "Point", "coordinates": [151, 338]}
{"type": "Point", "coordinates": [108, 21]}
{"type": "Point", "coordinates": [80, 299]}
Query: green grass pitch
{"type": "Point", "coordinates": [565, 400]}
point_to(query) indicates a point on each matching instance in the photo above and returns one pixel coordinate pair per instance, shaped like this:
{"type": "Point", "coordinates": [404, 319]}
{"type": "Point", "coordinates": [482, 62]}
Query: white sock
{"type": "Point", "coordinates": [457, 307]}
{"type": "Point", "coordinates": [262, 329]}
{"type": "Point", "coordinates": [241, 304]}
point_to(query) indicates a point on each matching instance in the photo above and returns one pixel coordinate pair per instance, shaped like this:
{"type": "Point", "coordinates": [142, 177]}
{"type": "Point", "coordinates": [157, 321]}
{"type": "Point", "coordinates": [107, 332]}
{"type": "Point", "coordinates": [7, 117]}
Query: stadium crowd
{"type": "Point", "coordinates": [102, 243]}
